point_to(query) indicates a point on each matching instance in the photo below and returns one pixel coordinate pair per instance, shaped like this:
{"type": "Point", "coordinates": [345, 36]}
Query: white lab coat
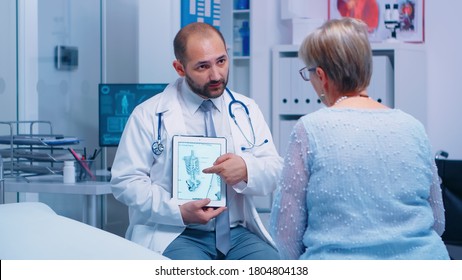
{"type": "Point", "coordinates": [142, 180]}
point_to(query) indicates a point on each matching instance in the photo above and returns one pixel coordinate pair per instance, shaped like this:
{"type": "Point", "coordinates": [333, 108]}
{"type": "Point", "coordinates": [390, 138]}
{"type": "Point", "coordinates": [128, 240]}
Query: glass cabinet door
{"type": "Point", "coordinates": [8, 88]}
{"type": "Point", "coordinates": [59, 65]}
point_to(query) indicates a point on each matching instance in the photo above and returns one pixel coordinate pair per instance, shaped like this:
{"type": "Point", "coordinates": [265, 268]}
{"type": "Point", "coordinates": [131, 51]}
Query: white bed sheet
{"type": "Point", "coordinates": [32, 230]}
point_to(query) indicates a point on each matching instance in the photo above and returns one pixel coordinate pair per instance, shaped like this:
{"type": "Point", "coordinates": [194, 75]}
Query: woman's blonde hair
{"type": "Point", "coordinates": [341, 48]}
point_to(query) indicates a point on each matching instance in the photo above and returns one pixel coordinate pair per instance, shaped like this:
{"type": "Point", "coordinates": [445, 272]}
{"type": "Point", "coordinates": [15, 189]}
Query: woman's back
{"type": "Point", "coordinates": [369, 186]}
{"type": "Point", "coordinates": [359, 180]}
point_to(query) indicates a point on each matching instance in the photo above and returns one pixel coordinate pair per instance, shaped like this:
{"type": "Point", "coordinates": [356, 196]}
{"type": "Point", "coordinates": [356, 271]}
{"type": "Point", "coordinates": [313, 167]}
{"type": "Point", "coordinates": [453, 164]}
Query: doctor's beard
{"type": "Point", "coordinates": [204, 91]}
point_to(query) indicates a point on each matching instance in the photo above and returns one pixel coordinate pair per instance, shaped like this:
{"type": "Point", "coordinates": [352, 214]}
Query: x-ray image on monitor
{"type": "Point", "coordinates": [116, 103]}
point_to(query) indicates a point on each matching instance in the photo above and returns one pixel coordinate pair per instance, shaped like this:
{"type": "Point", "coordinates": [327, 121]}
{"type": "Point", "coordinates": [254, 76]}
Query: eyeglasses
{"type": "Point", "coordinates": [305, 72]}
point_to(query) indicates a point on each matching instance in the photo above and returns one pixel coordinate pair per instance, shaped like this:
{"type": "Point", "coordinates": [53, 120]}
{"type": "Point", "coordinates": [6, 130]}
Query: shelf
{"type": "Point", "coordinates": [38, 140]}
{"type": "Point", "coordinates": [239, 12]}
{"type": "Point", "coordinates": [27, 169]}
{"type": "Point", "coordinates": [399, 69]}
{"type": "Point", "coordinates": [240, 63]}
{"type": "Point", "coordinates": [32, 153]}
{"type": "Point", "coordinates": [240, 57]}
{"type": "Point", "coordinates": [36, 156]}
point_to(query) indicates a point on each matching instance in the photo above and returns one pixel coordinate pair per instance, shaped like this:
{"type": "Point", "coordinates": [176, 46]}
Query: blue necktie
{"type": "Point", "coordinates": [222, 240]}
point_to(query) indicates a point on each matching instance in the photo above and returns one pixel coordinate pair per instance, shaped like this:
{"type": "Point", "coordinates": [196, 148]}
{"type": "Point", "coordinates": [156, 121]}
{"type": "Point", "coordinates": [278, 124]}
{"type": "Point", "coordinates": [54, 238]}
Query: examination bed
{"type": "Point", "coordinates": [32, 230]}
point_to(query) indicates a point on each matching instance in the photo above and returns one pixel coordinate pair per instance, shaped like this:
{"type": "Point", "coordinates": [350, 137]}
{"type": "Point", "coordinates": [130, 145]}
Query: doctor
{"type": "Point", "coordinates": [142, 169]}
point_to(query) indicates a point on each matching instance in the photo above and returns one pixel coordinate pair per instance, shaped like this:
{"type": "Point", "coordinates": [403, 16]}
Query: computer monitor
{"type": "Point", "coordinates": [116, 103]}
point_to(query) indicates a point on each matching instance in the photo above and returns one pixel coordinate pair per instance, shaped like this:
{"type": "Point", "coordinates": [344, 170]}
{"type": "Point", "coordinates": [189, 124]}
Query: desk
{"type": "Point", "coordinates": [49, 184]}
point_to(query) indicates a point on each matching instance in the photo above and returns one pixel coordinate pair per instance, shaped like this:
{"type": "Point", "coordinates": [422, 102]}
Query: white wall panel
{"type": "Point", "coordinates": [444, 44]}
{"type": "Point", "coordinates": [159, 21]}
{"type": "Point", "coordinates": [8, 63]}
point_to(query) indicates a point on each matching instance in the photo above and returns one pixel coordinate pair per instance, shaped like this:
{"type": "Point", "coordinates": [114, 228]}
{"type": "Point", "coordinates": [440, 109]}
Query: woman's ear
{"type": "Point", "coordinates": [322, 76]}
{"type": "Point", "coordinates": [179, 68]}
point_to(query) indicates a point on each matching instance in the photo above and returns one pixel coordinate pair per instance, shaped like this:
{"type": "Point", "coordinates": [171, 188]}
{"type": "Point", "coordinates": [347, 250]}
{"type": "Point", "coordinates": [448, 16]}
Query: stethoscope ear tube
{"type": "Point", "coordinates": [235, 102]}
{"type": "Point", "coordinates": [252, 144]}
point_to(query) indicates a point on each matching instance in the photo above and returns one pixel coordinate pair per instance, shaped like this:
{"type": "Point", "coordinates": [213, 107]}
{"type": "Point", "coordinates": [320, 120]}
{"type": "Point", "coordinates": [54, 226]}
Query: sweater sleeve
{"type": "Point", "coordinates": [289, 215]}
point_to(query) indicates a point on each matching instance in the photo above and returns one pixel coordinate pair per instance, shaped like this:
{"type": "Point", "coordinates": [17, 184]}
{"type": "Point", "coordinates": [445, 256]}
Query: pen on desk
{"type": "Point", "coordinates": [95, 153]}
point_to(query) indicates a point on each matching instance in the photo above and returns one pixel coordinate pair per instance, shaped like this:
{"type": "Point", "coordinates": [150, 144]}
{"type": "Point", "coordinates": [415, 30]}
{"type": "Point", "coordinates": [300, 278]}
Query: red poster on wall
{"type": "Point", "coordinates": [401, 20]}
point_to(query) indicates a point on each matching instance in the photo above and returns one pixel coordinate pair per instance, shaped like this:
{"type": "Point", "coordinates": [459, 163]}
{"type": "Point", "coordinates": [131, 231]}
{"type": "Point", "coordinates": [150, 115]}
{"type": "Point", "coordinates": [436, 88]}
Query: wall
{"type": "Point", "coordinates": [120, 65]}
{"type": "Point", "coordinates": [67, 98]}
{"type": "Point", "coordinates": [158, 23]}
{"type": "Point", "coordinates": [443, 56]}
{"type": "Point", "coordinates": [8, 86]}
{"type": "Point", "coordinates": [119, 49]}
{"type": "Point", "coordinates": [57, 95]}
{"type": "Point", "coordinates": [27, 60]}
{"type": "Point", "coordinates": [265, 20]}
{"type": "Point", "coordinates": [444, 44]}
{"type": "Point", "coordinates": [120, 41]}
{"type": "Point", "coordinates": [106, 35]}
{"type": "Point", "coordinates": [8, 62]}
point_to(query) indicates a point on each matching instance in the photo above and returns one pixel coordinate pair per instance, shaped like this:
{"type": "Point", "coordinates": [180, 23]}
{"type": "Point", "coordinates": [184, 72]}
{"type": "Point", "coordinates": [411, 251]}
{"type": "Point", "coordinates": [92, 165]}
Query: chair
{"type": "Point", "coordinates": [450, 172]}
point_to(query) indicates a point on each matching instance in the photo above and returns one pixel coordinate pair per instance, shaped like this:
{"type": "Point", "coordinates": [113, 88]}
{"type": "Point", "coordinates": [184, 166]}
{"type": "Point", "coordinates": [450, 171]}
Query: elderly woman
{"type": "Point", "coordinates": [359, 180]}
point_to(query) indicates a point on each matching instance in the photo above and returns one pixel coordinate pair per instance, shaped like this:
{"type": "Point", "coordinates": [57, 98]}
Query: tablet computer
{"type": "Point", "coordinates": [191, 155]}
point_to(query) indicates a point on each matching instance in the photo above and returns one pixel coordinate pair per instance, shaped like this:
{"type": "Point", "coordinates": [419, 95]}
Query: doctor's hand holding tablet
{"type": "Point", "coordinates": [232, 169]}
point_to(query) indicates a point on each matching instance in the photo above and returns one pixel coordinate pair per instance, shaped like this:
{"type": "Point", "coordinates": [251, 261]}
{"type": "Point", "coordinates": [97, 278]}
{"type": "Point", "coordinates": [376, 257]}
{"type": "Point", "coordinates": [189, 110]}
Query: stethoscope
{"type": "Point", "coordinates": [157, 147]}
{"type": "Point", "coordinates": [252, 143]}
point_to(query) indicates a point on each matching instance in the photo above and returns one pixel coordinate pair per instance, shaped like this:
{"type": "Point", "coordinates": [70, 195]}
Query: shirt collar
{"type": "Point", "coordinates": [194, 101]}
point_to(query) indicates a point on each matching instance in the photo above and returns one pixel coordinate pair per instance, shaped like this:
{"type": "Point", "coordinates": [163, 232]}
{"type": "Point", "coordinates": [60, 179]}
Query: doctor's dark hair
{"type": "Point", "coordinates": [342, 49]}
{"type": "Point", "coordinates": [181, 38]}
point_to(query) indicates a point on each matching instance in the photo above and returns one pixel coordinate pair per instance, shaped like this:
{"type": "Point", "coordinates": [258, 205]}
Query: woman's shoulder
{"type": "Point", "coordinates": [328, 114]}
{"type": "Point", "coordinates": [408, 118]}
{"type": "Point", "coordinates": [322, 113]}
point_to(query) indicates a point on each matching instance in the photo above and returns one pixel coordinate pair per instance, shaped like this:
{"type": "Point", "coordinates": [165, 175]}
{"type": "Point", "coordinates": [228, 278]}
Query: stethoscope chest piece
{"type": "Point", "coordinates": [157, 147]}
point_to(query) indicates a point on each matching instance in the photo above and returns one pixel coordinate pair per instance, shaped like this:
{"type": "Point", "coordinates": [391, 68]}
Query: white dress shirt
{"type": "Point", "coordinates": [196, 126]}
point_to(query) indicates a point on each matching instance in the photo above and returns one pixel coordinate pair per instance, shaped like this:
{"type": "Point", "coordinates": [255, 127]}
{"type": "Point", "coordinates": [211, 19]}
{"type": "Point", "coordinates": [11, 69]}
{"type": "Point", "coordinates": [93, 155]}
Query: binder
{"type": "Point", "coordinates": [381, 86]}
{"type": "Point", "coordinates": [285, 85]}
